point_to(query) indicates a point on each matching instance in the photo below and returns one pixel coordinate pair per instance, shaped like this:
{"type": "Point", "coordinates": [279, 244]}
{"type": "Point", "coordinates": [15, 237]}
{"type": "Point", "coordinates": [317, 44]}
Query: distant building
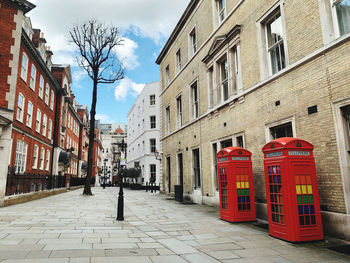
{"type": "Point", "coordinates": [113, 156]}
{"type": "Point", "coordinates": [144, 124]}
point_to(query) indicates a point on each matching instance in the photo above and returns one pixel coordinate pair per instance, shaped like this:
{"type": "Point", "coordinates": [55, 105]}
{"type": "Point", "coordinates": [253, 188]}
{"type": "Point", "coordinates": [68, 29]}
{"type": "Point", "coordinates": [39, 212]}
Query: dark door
{"type": "Point", "coordinates": [169, 173]}
{"type": "Point", "coordinates": [181, 172]}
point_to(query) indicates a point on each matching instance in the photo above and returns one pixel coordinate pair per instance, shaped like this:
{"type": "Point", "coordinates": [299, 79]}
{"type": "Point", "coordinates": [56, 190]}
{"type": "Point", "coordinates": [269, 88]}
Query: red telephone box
{"type": "Point", "coordinates": [291, 190]}
{"type": "Point", "coordinates": [236, 185]}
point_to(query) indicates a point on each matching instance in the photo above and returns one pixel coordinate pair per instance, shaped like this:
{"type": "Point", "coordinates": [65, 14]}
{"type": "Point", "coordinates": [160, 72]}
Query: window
{"type": "Point", "coordinates": [283, 130]}
{"type": "Point", "coordinates": [167, 75]}
{"type": "Point", "coordinates": [20, 107]}
{"type": "Point", "coordinates": [152, 99]}
{"type": "Point", "coordinates": [226, 143]}
{"type": "Point", "coordinates": [275, 43]}
{"type": "Point", "coordinates": [41, 87]}
{"type": "Point", "coordinates": [47, 94]}
{"type": "Point", "coordinates": [194, 100]}
{"type": "Point", "coordinates": [221, 7]}
{"type": "Point", "coordinates": [211, 86]}
{"type": "Point", "coordinates": [152, 168]}
{"type": "Point", "coordinates": [240, 141]}
{"type": "Point", "coordinates": [38, 121]}
{"type": "Point", "coordinates": [193, 42]}
{"type": "Point", "coordinates": [35, 156]}
{"type": "Point", "coordinates": [47, 160]}
{"type": "Point", "coordinates": [196, 168]}
{"type": "Point", "coordinates": [224, 79]}
{"type": "Point", "coordinates": [32, 77]}
{"type": "Point", "coordinates": [179, 111]}
{"type": "Point", "coordinates": [21, 157]}
{"type": "Point", "coordinates": [49, 132]}
{"type": "Point", "coordinates": [52, 99]}
{"type": "Point", "coordinates": [153, 122]}
{"type": "Point", "coordinates": [341, 14]}
{"type": "Point", "coordinates": [178, 60]}
{"type": "Point", "coordinates": [41, 161]}
{"type": "Point", "coordinates": [29, 114]}
{"type": "Point", "coordinates": [152, 143]}
{"type": "Point", "coordinates": [24, 67]}
{"type": "Point", "coordinates": [167, 120]}
{"type": "Point", "coordinates": [44, 125]}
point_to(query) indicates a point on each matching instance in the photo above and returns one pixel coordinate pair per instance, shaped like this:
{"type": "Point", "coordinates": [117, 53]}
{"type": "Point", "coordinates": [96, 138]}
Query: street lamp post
{"type": "Point", "coordinates": [120, 214]}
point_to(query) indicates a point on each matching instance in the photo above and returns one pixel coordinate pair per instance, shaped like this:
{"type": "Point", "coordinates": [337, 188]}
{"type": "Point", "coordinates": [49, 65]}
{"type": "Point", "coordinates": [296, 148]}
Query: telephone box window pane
{"type": "Point", "coordinates": [305, 200]}
{"type": "Point", "coordinates": [223, 188]}
{"type": "Point", "coordinates": [276, 194]}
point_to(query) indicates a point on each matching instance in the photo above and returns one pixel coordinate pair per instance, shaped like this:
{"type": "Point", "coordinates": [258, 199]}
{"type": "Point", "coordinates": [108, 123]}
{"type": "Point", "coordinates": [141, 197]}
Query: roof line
{"type": "Point", "coordinates": [191, 6]}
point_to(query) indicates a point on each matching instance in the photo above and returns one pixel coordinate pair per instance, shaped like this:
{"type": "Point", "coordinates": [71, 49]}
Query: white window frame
{"type": "Point", "coordinates": [42, 157]}
{"type": "Point", "coordinates": [152, 101]}
{"type": "Point", "coordinates": [44, 128]}
{"type": "Point", "coordinates": [194, 104]}
{"type": "Point", "coordinates": [179, 111]}
{"type": "Point", "coordinates": [29, 119]}
{"type": "Point", "coordinates": [21, 157]}
{"type": "Point", "coordinates": [20, 107]}
{"type": "Point", "coordinates": [32, 77]}
{"type": "Point", "coordinates": [221, 10]}
{"type": "Point", "coordinates": [38, 121]}
{"type": "Point", "coordinates": [52, 99]}
{"type": "Point", "coordinates": [35, 156]}
{"type": "Point", "coordinates": [264, 56]}
{"type": "Point", "coordinates": [152, 147]}
{"type": "Point", "coordinates": [178, 64]}
{"type": "Point", "coordinates": [167, 75]}
{"type": "Point", "coordinates": [333, 4]}
{"type": "Point", "coordinates": [167, 119]}
{"type": "Point", "coordinates": [153, 122]}
{"type": "Point", "coordinates": [47, 93]}
{"type": "Point", "coordinates": [24, 67]}
{"type": "Point", "coordinates": [47, 160]}
{"type": "Point", "coordinates": [268, 126]}
{"type": "Point", "coordinates": [225, 81]}
{"type": "Point", "coordinates": [41, 87]}
{"type": "Point", "coordinates": [192, 42]}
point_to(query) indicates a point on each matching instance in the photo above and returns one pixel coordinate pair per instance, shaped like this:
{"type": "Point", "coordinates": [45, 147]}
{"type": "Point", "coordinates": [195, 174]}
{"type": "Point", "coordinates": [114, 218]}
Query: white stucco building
{"type": "Point", "coordinates": [144, 134]}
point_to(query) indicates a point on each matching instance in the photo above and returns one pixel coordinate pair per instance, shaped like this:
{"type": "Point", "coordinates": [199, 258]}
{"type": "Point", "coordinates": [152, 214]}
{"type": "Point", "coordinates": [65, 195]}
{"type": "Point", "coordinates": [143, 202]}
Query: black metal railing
{"type": "Point", "coordinates": [75, 181]}
{"type": "Point", "coordinates": [26, 183]}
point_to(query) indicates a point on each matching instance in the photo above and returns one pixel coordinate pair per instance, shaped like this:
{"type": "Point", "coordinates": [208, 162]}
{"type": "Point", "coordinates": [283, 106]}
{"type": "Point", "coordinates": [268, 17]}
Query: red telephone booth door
{"type": "Point", "coordinates": [225, 207]}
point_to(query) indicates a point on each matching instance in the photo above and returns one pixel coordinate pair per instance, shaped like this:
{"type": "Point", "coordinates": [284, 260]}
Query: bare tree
{"type": "Point", "coordinates": [96, 44]}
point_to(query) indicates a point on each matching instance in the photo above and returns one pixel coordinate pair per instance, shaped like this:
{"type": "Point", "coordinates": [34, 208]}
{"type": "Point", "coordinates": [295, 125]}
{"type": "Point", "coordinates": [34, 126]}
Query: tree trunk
{"type": "Point", "coordinates": [87, 188]}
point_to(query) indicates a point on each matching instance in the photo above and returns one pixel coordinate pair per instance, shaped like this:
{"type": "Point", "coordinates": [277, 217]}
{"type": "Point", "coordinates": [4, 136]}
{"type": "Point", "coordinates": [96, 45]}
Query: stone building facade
{"type": "Point", "coordinates": [243, 72]}
{"type": "Point", "coordinates": [144, 134]}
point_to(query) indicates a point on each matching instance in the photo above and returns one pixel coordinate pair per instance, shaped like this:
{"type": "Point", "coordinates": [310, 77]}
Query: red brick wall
{"type": "Point", "coordinates": [7, 24]}
{"type": "Point", "coordinates": [33, 97]}
{"type": "Point", "coordinates": [70, 133]}
{"type": "Point", "coordinates": [30, 153]}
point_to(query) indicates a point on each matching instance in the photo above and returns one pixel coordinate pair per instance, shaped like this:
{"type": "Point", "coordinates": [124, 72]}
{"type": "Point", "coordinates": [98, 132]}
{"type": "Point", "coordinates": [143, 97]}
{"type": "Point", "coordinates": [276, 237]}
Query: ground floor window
{"type": "Point", "coordinates": [283, 130]}
{"type": "Point", "coordinates": [226, 143]}
{"type": "Point", "coordinates": [346, 114]}
{"type": "Point", "coordinates": [21, 157]}
{"type": "Point", "coordinates": [196, 168]}
{"type": "Point", "coordinates": [152, 168]}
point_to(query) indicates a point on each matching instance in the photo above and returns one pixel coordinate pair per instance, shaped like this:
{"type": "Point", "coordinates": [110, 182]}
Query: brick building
{"type": "Point", "coordinates": [84, 140]}
{"type": "Point", "coordinates": [97, 153]}
{"type": "Point", "coordinates": [243, 72]}
{"type": "Point", "coordinates": [40, 129]}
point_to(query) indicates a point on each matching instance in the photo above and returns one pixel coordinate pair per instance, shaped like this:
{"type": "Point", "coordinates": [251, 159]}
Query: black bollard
{"type": "Point", "coordinates": [120, 214]}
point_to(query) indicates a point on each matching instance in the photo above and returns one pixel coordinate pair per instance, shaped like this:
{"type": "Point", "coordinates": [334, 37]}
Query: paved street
{"type": "Point", "coordinates": [77, 229]}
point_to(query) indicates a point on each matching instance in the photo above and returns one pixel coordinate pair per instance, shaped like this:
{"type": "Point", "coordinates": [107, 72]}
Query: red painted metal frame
{"type": "Point", "coordinates": [236, 186]}
{"type": "Point", "coordinates": [291, 190]}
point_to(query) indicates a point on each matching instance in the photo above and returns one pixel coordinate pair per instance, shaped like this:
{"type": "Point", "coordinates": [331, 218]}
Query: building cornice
{"type": "Point", "coordinates": [191, 6]}
{"type": "Point", "coordinates": [23, 5]}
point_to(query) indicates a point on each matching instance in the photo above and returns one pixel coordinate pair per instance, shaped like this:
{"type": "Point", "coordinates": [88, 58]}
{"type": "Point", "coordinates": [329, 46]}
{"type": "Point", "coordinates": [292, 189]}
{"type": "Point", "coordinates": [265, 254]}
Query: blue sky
{"type": "Point", "coordinates": [145, 27]}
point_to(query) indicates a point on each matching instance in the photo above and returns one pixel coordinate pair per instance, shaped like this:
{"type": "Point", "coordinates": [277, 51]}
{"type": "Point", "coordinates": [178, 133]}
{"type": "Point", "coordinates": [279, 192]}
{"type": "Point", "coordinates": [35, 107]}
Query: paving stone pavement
{"type": "Point", "coordinates": [74, 228]}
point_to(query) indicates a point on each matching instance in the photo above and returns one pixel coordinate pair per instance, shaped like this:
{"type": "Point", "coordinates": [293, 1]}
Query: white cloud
{"type": "Point", "coordinates": [104, 118]}
{"type": "Point", "coordinates": [79, 75]}
{"type": "Point", "coordinates": [152, 18]}
{"type": "Point", "coordinates": [127, 86]}
{"type": "Point", "coordinates": [126, 53]}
